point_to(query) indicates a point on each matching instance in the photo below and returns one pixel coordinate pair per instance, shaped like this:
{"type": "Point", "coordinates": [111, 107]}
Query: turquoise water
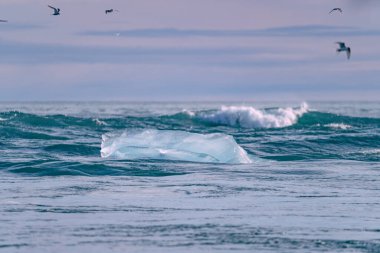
{"type": "Point", "coordinates": [310, 182]}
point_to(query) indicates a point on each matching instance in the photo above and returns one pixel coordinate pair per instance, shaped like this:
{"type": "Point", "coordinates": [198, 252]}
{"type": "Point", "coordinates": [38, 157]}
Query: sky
{"type": "Point", "coordinates": [182, 50]}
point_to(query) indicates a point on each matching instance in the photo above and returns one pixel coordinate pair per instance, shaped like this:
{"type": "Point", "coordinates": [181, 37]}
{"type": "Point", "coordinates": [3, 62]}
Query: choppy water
{"type": "Point", "coordinates": [311, 184]}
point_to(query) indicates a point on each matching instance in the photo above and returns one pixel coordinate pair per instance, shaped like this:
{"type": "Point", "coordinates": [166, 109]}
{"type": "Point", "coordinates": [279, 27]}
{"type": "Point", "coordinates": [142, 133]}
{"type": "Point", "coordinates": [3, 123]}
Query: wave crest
{"type": "Point", "coordinates": [340, 126]}
{"type": "Point", "coordinates": [250, 117]}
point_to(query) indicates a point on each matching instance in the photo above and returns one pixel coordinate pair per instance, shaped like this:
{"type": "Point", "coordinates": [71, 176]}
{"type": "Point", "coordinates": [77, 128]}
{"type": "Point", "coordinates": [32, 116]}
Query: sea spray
{"type": "Point", "coordinates": [250, 117]}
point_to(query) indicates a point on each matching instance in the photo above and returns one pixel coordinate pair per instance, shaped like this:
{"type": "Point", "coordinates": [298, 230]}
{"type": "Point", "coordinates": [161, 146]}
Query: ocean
{"type": "Point", "coordinates": [190, 177]}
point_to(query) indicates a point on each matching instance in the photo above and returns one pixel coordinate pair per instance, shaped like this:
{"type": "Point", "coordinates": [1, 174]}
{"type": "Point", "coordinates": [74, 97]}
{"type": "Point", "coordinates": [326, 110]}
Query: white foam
{"type": "Point", "coordinates": [100, 122]}
{"type": "Point", "coordinates": [173, 145]}
{"type": "Point", "coordinates": [188, 112]}
{"type": "Point", "coordinates": [1, 119]}
{"type": "Point", "coordinates": [250, 117]}
{"type": "Point", "coordinates": [371, 152]}
{"type": "Point", "coordinates": [338, 126]}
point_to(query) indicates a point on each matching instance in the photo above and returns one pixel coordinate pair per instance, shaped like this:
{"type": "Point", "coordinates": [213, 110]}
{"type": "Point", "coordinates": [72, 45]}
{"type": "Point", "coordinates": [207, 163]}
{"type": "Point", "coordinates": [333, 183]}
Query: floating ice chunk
{"type": "Point", "coordinates": [250, 117]}
{"type": "Point", "coordinates": [173, 145]}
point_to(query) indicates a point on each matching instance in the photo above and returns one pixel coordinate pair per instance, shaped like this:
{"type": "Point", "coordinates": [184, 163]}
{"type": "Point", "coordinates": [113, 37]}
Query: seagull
{"type": "Point", "coordinates": [56, 10]}
{"type": "Point", "coordinates": [111, 10]}
{"type": "Point", "coordinates": [343, 48]}
{"type": "Point", "coordinates": [336, 9]}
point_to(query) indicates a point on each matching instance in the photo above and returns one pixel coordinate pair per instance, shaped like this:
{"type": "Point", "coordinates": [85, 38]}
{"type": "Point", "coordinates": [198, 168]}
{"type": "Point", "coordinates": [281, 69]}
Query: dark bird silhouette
{"type": "Point", "coordinates": [344, 48]}
{"type": "Point", "coordinates": [2, 20]}
{"type": "Point", "coordinates": [336, 9]}
{"type": "Point", "coordinates": [56, 10]}
{"type": "Point", "coordinates": [111, 10]}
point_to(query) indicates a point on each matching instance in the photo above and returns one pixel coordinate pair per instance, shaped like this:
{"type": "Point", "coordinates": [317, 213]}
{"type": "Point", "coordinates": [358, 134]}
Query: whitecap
{"type": "Point", "coordinates": [100, 122]}
{"type": "Point", "coordinates": [371, 152]}
{"type": "Point", "coordinates": [173, 145]}
{"type": "Point", "coordinates": [341, 126]}
{"type": "Point", "coordinates": [188, 113]}
{"type": "Point", "coordinates": [250, 117]}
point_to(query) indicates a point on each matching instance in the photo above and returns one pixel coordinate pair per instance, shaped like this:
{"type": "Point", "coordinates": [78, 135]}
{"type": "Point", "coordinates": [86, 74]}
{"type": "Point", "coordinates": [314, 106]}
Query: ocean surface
{"type": "Point", "coordinates": [190, 177]}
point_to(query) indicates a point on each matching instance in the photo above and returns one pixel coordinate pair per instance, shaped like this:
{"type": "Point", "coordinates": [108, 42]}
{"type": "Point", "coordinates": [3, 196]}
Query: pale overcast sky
{"type": "Point", "coordinates": [189, 50]}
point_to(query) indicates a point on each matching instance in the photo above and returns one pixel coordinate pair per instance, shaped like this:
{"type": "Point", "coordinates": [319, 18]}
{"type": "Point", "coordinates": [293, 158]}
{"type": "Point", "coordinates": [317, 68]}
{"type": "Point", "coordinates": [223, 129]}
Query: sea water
{"type": "Point", "coordinates": [190, 177]}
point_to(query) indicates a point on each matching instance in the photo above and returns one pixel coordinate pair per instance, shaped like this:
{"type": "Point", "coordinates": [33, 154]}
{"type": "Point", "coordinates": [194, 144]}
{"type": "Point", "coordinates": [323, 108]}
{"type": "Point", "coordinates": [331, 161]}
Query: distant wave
{"type": "Point", "coordinates": [371, 151]}
{"type": "Point", "coordinates": [250, 117]}
{"type": "Point", "coordinates": [14, 122]}
{"type": "Point", "coordinates": [173, 145]}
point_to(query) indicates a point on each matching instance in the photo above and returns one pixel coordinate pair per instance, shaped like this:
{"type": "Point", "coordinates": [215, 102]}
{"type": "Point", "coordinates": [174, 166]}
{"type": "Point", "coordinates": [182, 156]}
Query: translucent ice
{"type": "Point", "coordinates": [173, 145]}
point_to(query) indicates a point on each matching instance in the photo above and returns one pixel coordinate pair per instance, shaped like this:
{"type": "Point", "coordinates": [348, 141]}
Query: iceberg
{"type": "Point", "coordinates": [173, 145]}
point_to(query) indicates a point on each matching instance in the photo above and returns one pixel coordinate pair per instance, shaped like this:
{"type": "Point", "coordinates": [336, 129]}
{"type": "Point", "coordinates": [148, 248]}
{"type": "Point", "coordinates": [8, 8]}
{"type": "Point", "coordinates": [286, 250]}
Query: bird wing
{"type": "Point", "coordinates": [341, 44]}
{"type": "Point", "coordinates": [336, 9]}
{"type": "Point", "coordinates": [55, 9]}
{"type": "Point", "coordinates": [1, 20]}
{"type": "Point", "coordinates": [348, 53]}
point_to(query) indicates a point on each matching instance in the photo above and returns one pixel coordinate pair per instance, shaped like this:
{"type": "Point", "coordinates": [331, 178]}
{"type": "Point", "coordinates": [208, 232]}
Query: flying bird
{"type": "Point", "coordinates": [336, 9]}
{"type": "Point", "coordinates": [343, 48]}
{"type": "Point", "coordinates": [110, 11]}
{"type": "Point", "coordinates": [2, 20]}
{"type": "Point", "coordinates": [56, 10]}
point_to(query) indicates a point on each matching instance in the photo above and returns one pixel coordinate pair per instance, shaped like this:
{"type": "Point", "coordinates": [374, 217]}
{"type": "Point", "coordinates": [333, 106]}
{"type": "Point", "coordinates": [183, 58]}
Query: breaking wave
{"type": "Point", "coordinates": [250, 117]}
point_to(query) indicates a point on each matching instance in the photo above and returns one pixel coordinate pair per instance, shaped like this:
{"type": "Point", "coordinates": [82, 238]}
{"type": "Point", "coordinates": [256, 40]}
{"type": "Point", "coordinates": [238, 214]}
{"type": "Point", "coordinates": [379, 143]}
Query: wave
{"type": "Point", "coordinates": [309, 134]}
{"type": "Point", "coordinates": [173, 145]}
{"type": "Point", "coordinates": [35, 120]}
{"type": "Point", "coordinates": [327, 121]}
{"type": "Point", "coordinates": [341, 126]}
{"type": "Point", "coordinates": [371, 151]}
{"type": "Point", "coordinates": [250, 117]}
{"type": "Point", "coordinates": [54, 167]}
{"type": "Point", "coordinates": [232, 116]}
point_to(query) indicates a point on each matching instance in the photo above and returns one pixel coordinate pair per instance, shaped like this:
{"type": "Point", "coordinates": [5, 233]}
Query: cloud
{"type": "Point", "coordinates": [287, 31]}
{"type": "Point", "coordinates": [10, 26]}
{"type": "Point", "coordinates": [139, 82]}
{"type": "Point", "coordinates": [40, 53]}
{"type": "Point", "coordinates": [363, 3]}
